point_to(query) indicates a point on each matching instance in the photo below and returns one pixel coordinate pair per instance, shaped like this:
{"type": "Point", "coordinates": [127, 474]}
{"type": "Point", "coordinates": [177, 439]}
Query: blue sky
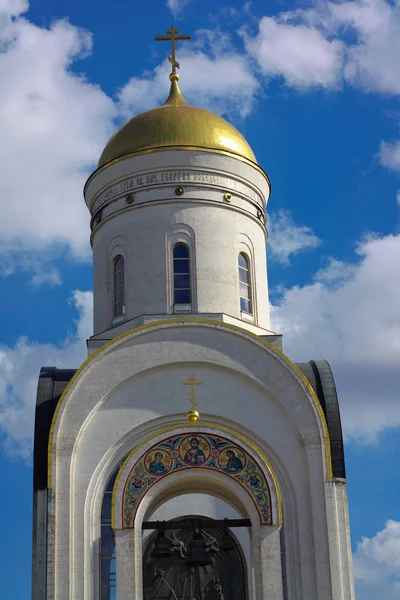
{"type": "Point", "coordinates": [315, 89]}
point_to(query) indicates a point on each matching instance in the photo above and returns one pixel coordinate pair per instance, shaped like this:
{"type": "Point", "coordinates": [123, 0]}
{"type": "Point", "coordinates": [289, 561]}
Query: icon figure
{"type": "Point", "coordinates": [137, 483]}
{"type": "Point", "coordinates": [254, 481]}
{"type": "Point", "coordinates": [234, 463]}
{"type": "Point", "coordinates": [195, 455]}
{"type": "Point", "coordinates": [157, 466]}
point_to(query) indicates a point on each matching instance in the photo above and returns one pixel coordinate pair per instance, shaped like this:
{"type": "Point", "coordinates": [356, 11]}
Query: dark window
{"type": "Point", "coordinates": [119, 286]}
{"type": "Point", "coordinates": [181, 260]}
{"type": "Point", "coordinates": [244, 284]}
{"type": "Point", "coordinates": [107, 542]}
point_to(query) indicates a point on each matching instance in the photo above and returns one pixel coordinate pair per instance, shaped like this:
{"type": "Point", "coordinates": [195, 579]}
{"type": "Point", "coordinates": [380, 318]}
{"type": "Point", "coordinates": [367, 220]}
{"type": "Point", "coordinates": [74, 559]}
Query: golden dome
{"type": "Point", "coordinates": [176, 125]}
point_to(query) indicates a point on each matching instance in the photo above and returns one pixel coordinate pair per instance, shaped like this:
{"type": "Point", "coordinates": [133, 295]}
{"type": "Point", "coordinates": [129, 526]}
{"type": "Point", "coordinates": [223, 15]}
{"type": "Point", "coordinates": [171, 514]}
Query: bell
{"type": "Point", "coordinates": [198, 555]}
{"type": "Point", "coordinates": [226, 540]}
{"type": "Point", "coordinates": [162, 546]}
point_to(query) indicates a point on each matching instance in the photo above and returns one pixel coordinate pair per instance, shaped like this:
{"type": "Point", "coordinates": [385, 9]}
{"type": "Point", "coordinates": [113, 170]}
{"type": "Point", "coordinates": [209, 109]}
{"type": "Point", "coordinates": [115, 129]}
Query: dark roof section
{"type": "Point", "coordinates": [319, 374]}
{"type": "Point", "coordinates": [52, 383]}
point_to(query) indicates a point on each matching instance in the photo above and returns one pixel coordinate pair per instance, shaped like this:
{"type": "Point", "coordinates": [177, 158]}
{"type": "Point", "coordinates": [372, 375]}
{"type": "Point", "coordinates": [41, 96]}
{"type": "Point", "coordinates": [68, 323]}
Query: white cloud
{"type": "Point", "coordinates": [19, 372]}
{"type": "Point", "coordinates": [350, 316]}
{"type": "Point", "coordinates": [336, 272]}
{"type": "Point", "coordinates": [312, 47]}
{"type": "Point", "coordinates": [13, 8]}
{"type": "Point", "coordinates": [220, 80]}
{"type": "Point", "coordinates": [176, 6]}
{"type": "Point", "coordinates": [373, 60]}
{"type": "Point", "coordinates": [287, 239]}
{"type": "Point", "coordinates": [357, 42]}
{"type": "Point", "coordinates": [390, 155]}
{"type": "Point", "coordinates": [50, 276]}
{"type": "Point", "coordinates": [377, 565]}
{"type": "Point", "coordinates": [297, 52]}
{"type": "Point", "coordinates": [53, 125]}
{"type": "Point", "coordinates": [37, 265]}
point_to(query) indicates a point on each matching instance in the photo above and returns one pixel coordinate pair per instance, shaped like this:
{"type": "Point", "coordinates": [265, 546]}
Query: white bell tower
{"type": "Point", "coordinates": [178, 223]}
{"type": "Point", "coordinates": [240, 478]}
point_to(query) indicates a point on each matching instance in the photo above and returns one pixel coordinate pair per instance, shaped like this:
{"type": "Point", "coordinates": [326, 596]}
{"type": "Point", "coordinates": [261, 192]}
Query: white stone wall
{"type": "Point", "coordinates": [133, 389]}
{"type": "Point", "coordinates": [339, 531]}
{"type": "Point", "coordinates": [145, 230]}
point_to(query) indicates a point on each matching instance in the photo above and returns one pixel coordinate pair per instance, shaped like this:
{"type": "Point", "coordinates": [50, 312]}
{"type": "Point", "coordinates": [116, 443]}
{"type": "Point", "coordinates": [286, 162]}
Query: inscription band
{"type": "Point", "coordinates": [166, 177]}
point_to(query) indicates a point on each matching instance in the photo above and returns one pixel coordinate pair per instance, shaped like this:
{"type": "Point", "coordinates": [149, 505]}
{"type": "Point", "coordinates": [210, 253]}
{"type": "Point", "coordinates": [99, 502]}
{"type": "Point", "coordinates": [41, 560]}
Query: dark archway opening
{"type": "Point", "coordinates": [174, 577]}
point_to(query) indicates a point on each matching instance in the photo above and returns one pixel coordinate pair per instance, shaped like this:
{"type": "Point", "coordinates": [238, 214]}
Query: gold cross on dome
{"type": "Point", "coordinates": [192, 415]}
{"type": "Point", "coordinates": [172, 37]}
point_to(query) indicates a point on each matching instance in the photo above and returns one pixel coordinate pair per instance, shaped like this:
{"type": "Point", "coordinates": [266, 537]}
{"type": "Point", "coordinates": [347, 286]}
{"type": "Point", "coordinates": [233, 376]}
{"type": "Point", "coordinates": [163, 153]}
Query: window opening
{"type": "Point", "coordinates": [244, 283]}
{"type": "Point", "coordinates": [182, 292]}
{"type": "Point", "coordinates": [119, 286]}
{"type": "Point", "coordinates": [108, 572]}
{"type": "Point", "coordinates": [194, 563]}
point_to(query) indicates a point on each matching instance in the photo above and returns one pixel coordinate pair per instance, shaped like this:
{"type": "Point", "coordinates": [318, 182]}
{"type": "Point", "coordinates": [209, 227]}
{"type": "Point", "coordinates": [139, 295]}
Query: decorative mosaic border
{"type": "Point", "coordinates": [195, 451]}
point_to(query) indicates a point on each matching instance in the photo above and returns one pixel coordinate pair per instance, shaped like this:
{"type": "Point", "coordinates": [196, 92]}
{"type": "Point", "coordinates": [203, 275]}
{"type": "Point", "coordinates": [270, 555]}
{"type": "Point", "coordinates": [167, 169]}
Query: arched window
{"type": "Point", "coordinates": [107, 542]}
{"type": "Point", "coordinates": [182, 294]}
{"type": "Point", "coordinates": [119, 286]}
{"type": "Point", "coordinates": [244, 283]}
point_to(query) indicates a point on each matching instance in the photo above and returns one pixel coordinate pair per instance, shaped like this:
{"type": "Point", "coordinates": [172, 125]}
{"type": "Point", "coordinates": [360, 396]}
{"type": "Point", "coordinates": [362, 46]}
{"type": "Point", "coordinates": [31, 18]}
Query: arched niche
{"type": "Point", "coordinates": [202, 451]}
{"type": "Point", "coordinates": [156, 490]}
{"type": "Point", "coordinates": [201, 504]}
{"type": "Point", "coordinates": [301, 455]}
{"type": "Point", "coordinates": [224, 577]}
{"type": "Point", "coordinates": [232, 558]}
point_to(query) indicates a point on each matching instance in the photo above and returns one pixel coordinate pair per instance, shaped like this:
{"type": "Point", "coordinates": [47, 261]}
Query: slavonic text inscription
{"type": "Point", "coordinates": [166, 177]}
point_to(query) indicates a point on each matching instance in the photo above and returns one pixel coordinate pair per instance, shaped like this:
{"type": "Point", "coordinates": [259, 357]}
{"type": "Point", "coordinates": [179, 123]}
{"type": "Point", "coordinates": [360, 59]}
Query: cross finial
{"type": "Point", "coordinates": [193, 414]}
{"type": "Point", "coordinates": [172, 37]}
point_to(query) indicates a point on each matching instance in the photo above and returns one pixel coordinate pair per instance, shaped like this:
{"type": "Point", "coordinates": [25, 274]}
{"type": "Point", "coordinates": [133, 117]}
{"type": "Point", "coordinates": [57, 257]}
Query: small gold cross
{"type": "Point", "coordinates": [172, 36]}
{"type": "Point", "coordinates": [192, 415]}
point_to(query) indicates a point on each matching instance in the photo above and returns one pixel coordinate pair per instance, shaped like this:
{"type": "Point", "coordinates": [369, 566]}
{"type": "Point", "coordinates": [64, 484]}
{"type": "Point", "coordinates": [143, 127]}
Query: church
{"type": "Point", "coordinates": [188, 458]}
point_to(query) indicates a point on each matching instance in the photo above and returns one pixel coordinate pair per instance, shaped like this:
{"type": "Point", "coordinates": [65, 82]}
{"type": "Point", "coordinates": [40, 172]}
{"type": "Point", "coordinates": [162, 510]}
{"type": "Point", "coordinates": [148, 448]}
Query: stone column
{"type": "Point", "coordinates": [339, 541]}
{"type": "Point", "coordinates": [125, 563]}
{"type": "Point", "coordinates": [271, 569]}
